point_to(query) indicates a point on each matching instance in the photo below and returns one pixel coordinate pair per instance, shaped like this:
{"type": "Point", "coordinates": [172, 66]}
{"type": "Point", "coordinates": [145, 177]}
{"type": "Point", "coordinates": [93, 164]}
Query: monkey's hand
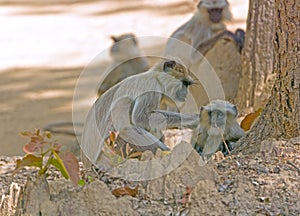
{"type": "Point", "coordinates": [178, 120]}
{"type": "Point", "coordinates": [204, 47]}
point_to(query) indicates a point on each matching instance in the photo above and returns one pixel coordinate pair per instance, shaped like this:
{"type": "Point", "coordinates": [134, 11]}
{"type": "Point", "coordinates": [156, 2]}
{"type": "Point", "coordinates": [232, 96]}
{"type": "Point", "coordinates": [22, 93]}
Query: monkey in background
{"type": "Point", "coordinates": [207, 21]}
{"type": "Point", "coordinates": [128, 108]}
{"type": "Point", "coordinates": [127, 61]}
{"type": "Point", "coordinates": [206, 33]}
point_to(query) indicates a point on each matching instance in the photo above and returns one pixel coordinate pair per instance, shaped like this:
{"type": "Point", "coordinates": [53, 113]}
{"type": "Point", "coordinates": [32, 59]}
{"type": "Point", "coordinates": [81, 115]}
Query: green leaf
{"type": "Point", "coordinates": [29, 160]}
{"type": "Point", "coordinates": [47, 134]}
{"type": "Point", "coordinates": [81, 182]}
{"type": "Point", "coordinates": [58, 163]}
{"type": "Point", "coordinates": [71, 164]}
{"type": "Point", "coordinates": [90, 178]}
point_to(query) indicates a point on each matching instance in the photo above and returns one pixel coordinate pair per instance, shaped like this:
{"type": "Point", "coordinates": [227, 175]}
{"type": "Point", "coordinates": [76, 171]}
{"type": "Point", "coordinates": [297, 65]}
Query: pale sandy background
{"type": "Point", "coordinates": [44, 46]}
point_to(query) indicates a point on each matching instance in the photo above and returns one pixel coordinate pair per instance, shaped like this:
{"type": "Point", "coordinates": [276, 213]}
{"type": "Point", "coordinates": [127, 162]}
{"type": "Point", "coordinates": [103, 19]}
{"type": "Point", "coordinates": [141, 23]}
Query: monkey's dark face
{"type": "Point", "coordinates": [215, 14]}
{"type": "Point", "coordinates": [217, 118]}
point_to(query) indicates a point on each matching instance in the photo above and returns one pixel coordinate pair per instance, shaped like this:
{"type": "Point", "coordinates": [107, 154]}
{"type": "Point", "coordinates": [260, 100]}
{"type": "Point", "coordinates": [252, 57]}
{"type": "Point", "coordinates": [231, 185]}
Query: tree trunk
{"type": "Point", "coordinates": [258, 56]}
{"type": "Point", "coordinates": [281, 116]}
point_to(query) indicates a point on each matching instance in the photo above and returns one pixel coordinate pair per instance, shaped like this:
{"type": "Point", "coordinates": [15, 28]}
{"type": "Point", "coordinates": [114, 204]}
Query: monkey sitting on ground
{"type": "Point", "coordinates": [127, 61]}
{"type": "Point", "coordinates": [217, 125]}
{"type": "Point", "coordinates": [207, 22]}
{"type": "Point", "coordinates": [127, 107]}
{"type": "Point", "coordinates": [205, 35]}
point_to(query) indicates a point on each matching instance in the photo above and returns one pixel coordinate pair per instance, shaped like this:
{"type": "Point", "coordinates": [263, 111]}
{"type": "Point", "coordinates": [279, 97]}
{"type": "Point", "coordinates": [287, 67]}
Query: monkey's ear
{"type": "Point", "coordinates": [201, 109]}
{"type": "Point", "coordinates": [114, 38]}
{"type": "Point", "coordinates": [169, 65]}
{"type": "Point", "coordinates": [199, 4]}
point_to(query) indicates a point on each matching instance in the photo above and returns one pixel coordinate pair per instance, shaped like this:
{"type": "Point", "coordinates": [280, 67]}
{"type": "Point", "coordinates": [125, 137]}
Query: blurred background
{"type": "Point", "coordinates": [45, 45]}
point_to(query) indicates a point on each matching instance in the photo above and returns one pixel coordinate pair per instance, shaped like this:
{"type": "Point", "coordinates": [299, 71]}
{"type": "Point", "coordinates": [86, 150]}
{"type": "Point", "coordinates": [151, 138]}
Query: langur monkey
{"type": "Point", "coordinates": [207, 22]}
{"type": "Point", "coordinates": [205, 34]}
{"type": "Point", "coordinates": [128, 108]}
{"type": "Point", "coordinates": [127, 61]}
{"type": "Point", "coordinates": [217, 124]}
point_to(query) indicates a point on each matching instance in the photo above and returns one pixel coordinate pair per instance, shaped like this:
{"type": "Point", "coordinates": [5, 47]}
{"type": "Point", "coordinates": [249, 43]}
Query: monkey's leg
{"type": "Point", "coordinates": [178, 120]}
{"type": "Point", "coordinates": [234, 132]}
{"type": "Point", "coordinates": [141, 139]}
{"type": "Point", "coordinates": [134, 135]}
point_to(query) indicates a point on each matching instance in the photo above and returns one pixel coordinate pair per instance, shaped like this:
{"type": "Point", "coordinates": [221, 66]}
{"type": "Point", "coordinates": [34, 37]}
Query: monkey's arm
{"type": "Point", "coordinates": [178, 120]}
{"type": "Point", "coordinates": [234, 132]}
{"type": "Point", "coordinates": [208, 44]}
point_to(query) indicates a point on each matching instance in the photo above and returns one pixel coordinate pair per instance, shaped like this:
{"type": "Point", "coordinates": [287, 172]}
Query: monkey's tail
{"type": "Point", "coordinates": [66, 128]}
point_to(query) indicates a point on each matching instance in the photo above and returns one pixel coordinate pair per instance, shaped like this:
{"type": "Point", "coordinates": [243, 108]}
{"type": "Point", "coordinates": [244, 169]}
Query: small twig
{"type": "Point", "coordinates": [96, 172]}
{"type": "Point", "coordinates": [223, 139]}
{"type": "Point", "coordinates": [293, 165]}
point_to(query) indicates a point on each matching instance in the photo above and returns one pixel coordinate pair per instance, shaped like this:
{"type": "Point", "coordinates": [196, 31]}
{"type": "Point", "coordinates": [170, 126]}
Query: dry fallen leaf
{"type": "Point", "coordinates": [125, 191]}
{"type": "Point", "coordinates": [249, 119]}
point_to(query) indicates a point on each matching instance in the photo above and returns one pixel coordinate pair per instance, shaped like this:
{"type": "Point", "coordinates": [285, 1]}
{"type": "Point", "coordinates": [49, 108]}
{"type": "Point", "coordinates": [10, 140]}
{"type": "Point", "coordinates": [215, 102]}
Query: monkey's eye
{"type": "Point", "coordinates": [209, 113]}
{"type": "Point", "coordinates": [186, 83]}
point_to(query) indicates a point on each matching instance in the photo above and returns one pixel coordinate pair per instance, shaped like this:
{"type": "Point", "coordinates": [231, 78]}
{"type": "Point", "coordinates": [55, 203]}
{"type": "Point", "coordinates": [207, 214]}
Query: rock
{"type": "Point", "coordinates": [188, 173]}
{"type": "Point", "coordinates": [206, 200]}
{"type": "Point", "coordinates": [62, 198]}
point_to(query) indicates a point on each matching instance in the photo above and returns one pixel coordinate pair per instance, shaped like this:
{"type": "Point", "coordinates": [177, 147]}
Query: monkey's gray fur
{"type": "Point", "coordinates": [203, 26]}
{"type": "Point", "coordinates": [217, 119]}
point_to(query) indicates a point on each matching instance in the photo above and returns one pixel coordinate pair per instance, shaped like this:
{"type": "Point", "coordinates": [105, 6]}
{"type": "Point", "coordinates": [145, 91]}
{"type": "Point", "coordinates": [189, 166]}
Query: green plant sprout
{"type": "Point", "coordinates": [41, 153]}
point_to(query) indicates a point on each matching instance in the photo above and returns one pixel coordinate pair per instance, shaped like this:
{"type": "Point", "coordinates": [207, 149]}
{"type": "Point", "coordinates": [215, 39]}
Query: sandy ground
{"type": "Point", "coordinates": [45, 46]}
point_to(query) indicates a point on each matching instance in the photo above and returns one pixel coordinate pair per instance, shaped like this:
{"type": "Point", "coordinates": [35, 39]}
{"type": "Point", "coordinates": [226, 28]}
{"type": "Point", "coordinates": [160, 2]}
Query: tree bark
{"type": "Point", "coordinates": [257, 57]}
{"type": "Point", "coordinates": [281, 116]}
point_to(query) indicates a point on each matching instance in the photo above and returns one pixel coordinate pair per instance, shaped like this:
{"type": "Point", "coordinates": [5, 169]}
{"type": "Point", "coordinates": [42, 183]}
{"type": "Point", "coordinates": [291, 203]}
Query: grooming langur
{"type": "Point", "coordinates": [127, 107]}
{"type": "Point", "coordinates": [127, 61]}
{"type": "Point", "coordinates": [217, 124]}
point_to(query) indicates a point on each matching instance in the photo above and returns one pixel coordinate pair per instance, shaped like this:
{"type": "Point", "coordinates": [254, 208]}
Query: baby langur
{"type": "Point", "coordinates": [128, 108]}
{"type": "Point", "coordinates": [127, 61]}
{"type": "Point", "coordinates": [217, 124]}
